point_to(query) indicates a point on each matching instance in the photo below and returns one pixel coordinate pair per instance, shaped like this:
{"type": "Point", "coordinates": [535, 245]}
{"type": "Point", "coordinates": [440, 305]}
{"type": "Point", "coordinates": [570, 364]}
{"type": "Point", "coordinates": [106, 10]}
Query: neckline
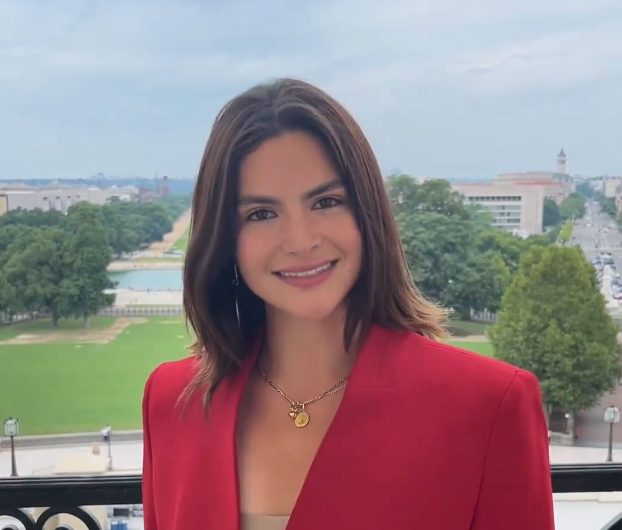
{"type": "Point", "coordinates": [364, 375]}
{"type": "Point", "coordinates": [263, 516]}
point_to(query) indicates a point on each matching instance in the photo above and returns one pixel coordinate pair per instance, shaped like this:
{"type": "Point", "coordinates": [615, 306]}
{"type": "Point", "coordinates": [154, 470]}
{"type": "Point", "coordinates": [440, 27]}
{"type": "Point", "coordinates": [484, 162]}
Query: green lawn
{"type": "Point", "coordinates": [182, 242]}
{"type": "Point", "coordinates": [45, 326]}
{"type": "Point", "coordinates": [71, 387]}
{"type": "Point", "coordinates": [483, 348]}
{"type": "Point", "coordinates": [60, 388]}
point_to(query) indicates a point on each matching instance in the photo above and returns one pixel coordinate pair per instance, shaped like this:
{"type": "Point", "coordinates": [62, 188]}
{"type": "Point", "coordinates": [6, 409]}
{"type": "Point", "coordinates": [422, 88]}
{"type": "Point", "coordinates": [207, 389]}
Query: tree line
{"type": "Point", "coordinates": [56, 263]}
{"type": "Point", "coordinates": [572, 207]}
{"type": "Point", "coordinates": [455, 254]}
{"type": "Point", "coordinates": [552, 317]}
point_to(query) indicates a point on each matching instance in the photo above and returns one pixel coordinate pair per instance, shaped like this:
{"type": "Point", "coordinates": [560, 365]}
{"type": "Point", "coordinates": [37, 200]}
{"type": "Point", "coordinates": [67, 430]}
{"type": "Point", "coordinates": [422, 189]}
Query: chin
{"type": "Point", "coordinates": [314, 312]}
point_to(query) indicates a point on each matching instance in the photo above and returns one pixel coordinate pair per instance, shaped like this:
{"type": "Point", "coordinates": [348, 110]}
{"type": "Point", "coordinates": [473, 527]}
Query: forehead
{"type": "Point", "coordinates": [291, 162]}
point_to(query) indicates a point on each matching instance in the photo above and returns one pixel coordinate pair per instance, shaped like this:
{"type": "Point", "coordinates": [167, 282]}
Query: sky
{"type": "Point", "coordinates": [442, 88]}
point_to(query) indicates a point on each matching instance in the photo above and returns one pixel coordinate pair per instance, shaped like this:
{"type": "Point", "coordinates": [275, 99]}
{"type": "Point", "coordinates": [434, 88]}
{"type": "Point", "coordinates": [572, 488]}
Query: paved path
{"type": "Point", "coordinates": [127, 456]}
{"type": "Point", "coordinates": [130, 265]}
{"type": "Point", "coordinates": [179, 227]}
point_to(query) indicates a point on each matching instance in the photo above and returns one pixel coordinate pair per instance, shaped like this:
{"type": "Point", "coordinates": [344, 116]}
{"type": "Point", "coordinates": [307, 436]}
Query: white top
{"type": "Point", "coordinates": [264, 522]}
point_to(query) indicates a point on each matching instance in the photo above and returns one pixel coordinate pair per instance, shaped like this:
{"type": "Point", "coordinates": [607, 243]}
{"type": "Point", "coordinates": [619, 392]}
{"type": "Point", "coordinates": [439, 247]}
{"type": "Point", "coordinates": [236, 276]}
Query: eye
{"type": "Point", "coordinates": [327, 202]}
{"type": "Point", "coordinates": [260, 215]}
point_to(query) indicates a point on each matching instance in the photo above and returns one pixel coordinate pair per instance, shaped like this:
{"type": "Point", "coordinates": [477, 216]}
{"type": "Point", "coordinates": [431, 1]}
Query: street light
{"type": "Point", "coordinates": [11, 429]}
{"type": "Point", "coordinates": [107, 435]}
{"type": "Point", "coordinates": [612, 415]}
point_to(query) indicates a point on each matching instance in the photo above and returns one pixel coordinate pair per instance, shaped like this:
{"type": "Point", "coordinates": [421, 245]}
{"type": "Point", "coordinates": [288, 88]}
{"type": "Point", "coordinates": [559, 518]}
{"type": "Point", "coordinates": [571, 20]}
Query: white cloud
{"type": "Point", "coordinates": [554, 61]}
{"type": "Point", "coordinates": [217, 43]}
{"type": "Point", "coordinates": [132, 81]}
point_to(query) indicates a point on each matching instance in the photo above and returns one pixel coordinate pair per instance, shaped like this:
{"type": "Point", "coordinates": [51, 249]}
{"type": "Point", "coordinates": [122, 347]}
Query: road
{"type": "Point", "coordinates": [587, 233]}
{"type": "Point", "coordinates": [596, 233]}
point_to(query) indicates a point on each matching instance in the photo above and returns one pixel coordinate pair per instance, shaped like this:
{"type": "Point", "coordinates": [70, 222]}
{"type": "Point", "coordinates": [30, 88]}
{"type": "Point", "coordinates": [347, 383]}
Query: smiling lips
{"type": "Point", "coordinates": [307, 277]}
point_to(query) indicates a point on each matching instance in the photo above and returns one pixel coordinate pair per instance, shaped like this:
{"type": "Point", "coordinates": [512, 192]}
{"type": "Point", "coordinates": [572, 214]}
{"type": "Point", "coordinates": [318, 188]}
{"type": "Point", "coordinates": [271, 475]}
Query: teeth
{"type": "Point", "coordinates": [306, 274]}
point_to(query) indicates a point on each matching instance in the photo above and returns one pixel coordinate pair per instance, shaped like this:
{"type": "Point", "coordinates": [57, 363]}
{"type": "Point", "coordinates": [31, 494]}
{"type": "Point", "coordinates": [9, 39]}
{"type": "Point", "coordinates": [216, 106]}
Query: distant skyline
{"type": "Point", "coordinates": [445, 88]}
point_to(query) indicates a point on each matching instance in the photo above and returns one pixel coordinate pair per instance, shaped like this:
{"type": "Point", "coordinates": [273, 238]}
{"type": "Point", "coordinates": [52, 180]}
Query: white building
{"type": "Point", "coordinates": [514, 208]}
{"type": "Point", "coordinates": [612, 187]}
{"type": "Point", "coordinates": [59, 198]}
{"type": "Point", "coordinates": [557, 184]}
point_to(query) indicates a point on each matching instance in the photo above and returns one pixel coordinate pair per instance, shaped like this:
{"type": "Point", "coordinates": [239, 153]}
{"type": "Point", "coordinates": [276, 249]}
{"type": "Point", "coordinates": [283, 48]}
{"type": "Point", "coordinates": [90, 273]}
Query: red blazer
{"type": "Point", "coordinates": [427, 436]}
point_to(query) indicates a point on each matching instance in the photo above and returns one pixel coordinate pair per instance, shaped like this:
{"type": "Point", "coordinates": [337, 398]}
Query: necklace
{"type": "Point", "coordinates": [298, 409]}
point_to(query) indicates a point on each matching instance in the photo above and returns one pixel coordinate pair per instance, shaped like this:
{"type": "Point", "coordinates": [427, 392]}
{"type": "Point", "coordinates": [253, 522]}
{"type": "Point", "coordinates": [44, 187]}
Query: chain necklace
{"type": "Point", "coordinates": [298, 409]}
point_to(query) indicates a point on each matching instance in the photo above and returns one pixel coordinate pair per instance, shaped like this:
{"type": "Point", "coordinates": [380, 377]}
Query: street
{"type": "Point", "coordinates": [597, 234]}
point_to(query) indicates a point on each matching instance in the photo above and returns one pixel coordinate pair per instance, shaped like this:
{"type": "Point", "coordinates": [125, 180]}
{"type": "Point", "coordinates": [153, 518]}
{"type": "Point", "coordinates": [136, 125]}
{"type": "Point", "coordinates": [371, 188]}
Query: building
{"type": "Point", "coordinates": [561, 162]}
{"type": "Point", "coordinates": [612, 187]}
{"type": "Point", "coordinates": [557, 184]}
{"type": "Point", "coordinates": [59, 198]}
{"type": "Point", "coordinates": [515, 208]}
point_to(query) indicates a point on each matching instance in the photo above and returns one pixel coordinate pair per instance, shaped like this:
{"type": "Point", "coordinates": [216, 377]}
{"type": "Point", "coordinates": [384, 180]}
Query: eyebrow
{"type": "Point", "coordinates": [273, 201]}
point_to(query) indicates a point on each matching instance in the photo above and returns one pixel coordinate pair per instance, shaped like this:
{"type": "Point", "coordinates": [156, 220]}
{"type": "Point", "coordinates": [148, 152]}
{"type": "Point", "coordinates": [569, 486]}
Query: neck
{"type": "Point", "coordinates": [303, 356]}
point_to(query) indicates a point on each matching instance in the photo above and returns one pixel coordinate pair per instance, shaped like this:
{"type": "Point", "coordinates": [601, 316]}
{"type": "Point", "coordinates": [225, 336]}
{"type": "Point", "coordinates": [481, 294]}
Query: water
{"type": "Point", "coordinates": [143, 280]}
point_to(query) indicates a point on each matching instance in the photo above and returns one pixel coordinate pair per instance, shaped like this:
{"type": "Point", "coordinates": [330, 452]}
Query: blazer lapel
{"type": "Point", "coordinates": [221, 503]}
{"type": "Point", "coordinates": [339, 454]}
{"type": "Point", "coordinates": [342, 452]}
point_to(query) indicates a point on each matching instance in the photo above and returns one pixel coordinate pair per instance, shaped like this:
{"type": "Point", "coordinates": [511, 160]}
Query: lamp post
{"type": "Point", "coordinates": [11, 429]}
{"type": "Point", "coordinates": [612, 415]}
{"type": "Point", "coordinates": [107, 435]}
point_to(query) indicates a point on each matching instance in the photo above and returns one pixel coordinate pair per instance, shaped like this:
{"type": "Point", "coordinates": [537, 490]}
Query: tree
{"type": "Point", "coordinates": [584, 188]}
{"type": "Point", "coordinates": [453, 252]}
{"type": "Point", "coordinates": [572, 207]}
{"type": "Point", "coordinates": [607, 205]}
{"type": "Point", "coordinates": [443, 259]}
{"type": "Point", "coordinates": [551, 215]}
{"type": "Point", "coordinates": [435, 195]}
{"type": "Point", "coordinates": [504, 244]}
{"type": "Point", "coordinates": [176, 205]}
{"type": "Point", "coordinates": [554, 323]}
{"type": "Point", "coordinates": [87, 259]}
{"type": "Point", "coordinates": [34, 271]}
{"type": "Point", "coordinates": [36, 218]}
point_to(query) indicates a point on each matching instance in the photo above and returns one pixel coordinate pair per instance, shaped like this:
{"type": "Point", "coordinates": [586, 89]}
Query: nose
{"type": "Point", "coordinates": [300, 235]}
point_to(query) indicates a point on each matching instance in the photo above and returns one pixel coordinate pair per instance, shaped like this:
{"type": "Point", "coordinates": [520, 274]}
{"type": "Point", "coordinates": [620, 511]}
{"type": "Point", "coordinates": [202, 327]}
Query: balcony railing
{"type": "Point", "coordinates": [67, 495]}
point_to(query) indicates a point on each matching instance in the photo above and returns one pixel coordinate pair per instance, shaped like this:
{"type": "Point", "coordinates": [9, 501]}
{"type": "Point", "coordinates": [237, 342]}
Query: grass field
{"type": "Point", "coordinates": [69, 387]}
{"type": "Point", "coordinates": [45, 326]}
{"type": "Point", "coordinates": [63, 387]}
{"type": "Point", "coordinates": [483, 348]}
{"type": "Point", "coordinates": [182, 242]}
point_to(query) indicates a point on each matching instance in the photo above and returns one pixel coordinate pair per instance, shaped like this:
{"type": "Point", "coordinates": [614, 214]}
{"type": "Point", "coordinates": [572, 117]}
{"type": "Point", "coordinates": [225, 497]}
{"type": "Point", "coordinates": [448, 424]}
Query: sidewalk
{"type": "Point", "coordinates": [56, 440]}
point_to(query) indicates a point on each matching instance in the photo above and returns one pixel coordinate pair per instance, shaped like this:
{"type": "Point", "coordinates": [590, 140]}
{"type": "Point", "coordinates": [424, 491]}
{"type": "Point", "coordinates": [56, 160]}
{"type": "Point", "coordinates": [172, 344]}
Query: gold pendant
{"type": "Point", "coordinates": [302, 419]}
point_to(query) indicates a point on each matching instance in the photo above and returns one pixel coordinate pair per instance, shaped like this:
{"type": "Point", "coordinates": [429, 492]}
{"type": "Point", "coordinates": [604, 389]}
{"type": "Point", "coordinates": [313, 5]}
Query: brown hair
{"type": "Point", "coordinates": [383, 294]}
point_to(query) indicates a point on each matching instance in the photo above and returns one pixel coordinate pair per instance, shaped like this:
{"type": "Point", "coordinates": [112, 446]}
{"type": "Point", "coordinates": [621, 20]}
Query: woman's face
{"type": "Point", "coordinates": [298, 246]}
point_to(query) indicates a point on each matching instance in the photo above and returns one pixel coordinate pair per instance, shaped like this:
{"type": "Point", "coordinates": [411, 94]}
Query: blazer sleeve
{"type": "Point", "coordinates": [516, 491]}
{"type": "Point", "coordinates": [149, 509]}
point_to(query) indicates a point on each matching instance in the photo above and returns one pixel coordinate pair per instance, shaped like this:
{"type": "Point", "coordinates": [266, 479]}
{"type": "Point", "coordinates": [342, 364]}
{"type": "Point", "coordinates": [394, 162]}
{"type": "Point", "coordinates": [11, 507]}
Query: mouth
{"type": "Point", "coordinates": [308, 273]}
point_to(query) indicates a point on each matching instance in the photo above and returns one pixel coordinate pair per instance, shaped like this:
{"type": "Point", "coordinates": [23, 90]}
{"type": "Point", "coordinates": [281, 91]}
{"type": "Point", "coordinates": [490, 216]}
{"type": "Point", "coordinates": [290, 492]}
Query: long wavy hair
{"type": "Point", "coordinates": [384, 292]}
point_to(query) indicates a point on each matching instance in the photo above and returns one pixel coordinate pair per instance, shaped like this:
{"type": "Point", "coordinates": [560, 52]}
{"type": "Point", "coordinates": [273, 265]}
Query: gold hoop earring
{"type": "Point", "coordinates": [236, 283]}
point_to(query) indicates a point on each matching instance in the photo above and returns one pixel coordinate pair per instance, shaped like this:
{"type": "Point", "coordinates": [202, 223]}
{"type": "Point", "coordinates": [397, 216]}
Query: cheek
{"type": "Point", "coordinates": [350, 238]}
{"type": "Point", "coordinates": [253, 251]}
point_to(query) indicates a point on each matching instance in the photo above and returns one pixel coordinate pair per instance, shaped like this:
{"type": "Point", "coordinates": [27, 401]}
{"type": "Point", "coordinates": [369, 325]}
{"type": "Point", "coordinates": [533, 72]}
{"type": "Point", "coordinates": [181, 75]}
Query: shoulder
{"type": "Point", "coordinates": [411, 361]}
{"type": "Point", "coordinates": [167, 383]}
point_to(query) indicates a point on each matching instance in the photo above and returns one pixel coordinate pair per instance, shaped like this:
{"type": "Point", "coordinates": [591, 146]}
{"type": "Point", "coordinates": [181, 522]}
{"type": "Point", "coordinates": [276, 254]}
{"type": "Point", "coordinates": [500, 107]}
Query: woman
{"type": "Point", "coordinates": [323, 401]}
